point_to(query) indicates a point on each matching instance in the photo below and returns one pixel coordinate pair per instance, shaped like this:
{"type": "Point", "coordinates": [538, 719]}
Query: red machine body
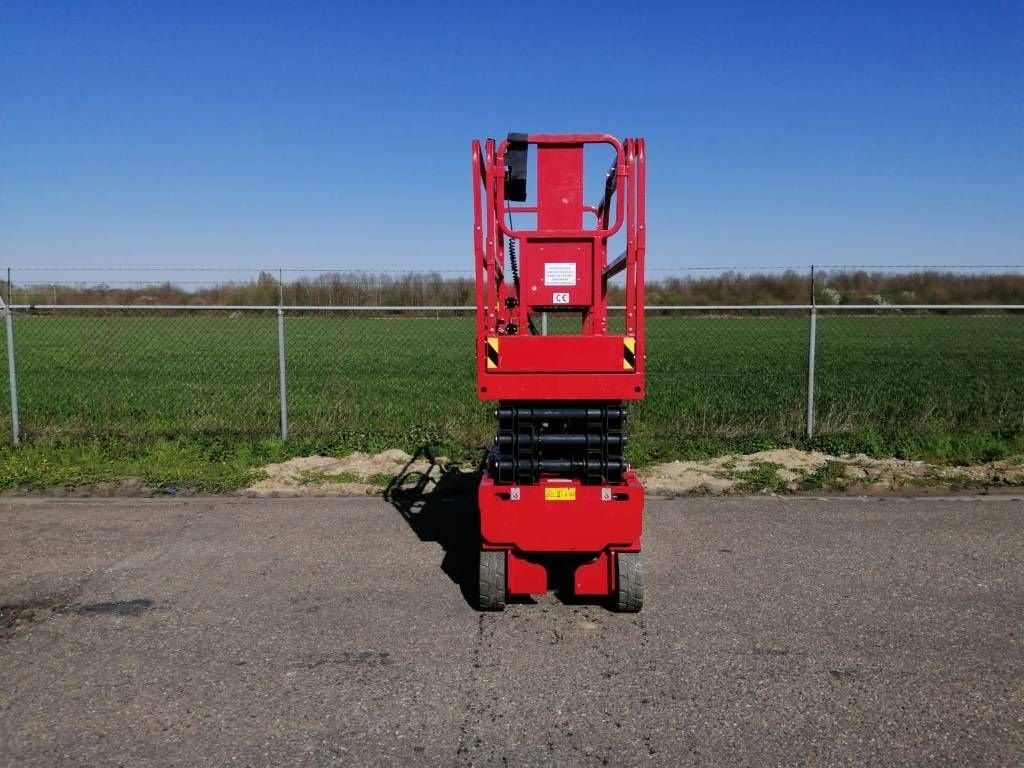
{"type": "Point", "coordinates": [564, 269]}
{"type": "Point", "coordinates": [558, 496]}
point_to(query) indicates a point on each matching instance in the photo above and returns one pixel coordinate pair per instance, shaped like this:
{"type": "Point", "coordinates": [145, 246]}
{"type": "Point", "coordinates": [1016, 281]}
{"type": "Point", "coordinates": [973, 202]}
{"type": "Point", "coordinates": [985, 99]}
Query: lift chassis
{"type": "Point", "coordinates": [559, 506]}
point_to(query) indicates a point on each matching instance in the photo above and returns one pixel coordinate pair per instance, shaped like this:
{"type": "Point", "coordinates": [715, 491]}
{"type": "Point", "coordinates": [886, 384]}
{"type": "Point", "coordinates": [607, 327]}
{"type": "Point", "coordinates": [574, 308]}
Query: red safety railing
{"type": "Point", "coordinates": [507, 309]}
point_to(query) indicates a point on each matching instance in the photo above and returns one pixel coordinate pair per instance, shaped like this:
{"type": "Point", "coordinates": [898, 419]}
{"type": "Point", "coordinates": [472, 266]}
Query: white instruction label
{"type": "Point", "coordinates": [560, 298]}
{"type": "Point", "coordinates": [560, 273]}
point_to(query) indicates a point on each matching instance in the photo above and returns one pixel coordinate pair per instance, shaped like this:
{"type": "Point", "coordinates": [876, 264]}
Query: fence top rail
{"type": "Point", "coordinates": [244, 307]}
{"type": "Point", "coordinates": [819, 307]}
{"type": "Point", "coordinates": [450, 308]}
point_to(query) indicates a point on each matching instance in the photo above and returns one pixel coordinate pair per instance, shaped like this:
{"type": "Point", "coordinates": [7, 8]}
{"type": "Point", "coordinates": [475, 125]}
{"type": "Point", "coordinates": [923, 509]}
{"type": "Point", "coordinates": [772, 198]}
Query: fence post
{"type": "Point", "coordinates": [281, 373]}
{"type": "Point", "coordinates": [12, 373]}
{"type": "Point", "coordinates": [812, 342]}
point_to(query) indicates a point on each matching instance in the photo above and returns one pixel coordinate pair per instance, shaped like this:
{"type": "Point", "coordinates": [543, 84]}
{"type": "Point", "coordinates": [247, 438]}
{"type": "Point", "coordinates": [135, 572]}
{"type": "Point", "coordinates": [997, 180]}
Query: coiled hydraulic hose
{"type": "Point", "coordinates": [514, 264]}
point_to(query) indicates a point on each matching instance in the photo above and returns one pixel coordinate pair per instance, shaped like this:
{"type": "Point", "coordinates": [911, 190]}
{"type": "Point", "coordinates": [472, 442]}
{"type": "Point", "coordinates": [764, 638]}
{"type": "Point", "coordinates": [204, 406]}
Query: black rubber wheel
{"type": "Point", "coordinates": [491, 594]}
{"type": "Point", "coordinates": [629, 576]}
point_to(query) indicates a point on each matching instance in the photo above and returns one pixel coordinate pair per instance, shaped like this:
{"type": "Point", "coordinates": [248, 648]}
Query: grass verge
{"type": "Point", "coordinates": [220, 464]}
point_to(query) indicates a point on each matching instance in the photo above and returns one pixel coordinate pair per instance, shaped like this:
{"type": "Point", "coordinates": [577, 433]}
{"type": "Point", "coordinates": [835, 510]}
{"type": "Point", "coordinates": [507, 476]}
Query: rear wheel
{"type": "Point", "coordinates": [491, 594]}
{"type": "Point", "coordinates": [629, 576]}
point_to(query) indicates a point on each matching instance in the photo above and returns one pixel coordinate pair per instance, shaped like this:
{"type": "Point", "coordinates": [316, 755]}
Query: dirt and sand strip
{"type": "Point", "coordinates": [787, 470]}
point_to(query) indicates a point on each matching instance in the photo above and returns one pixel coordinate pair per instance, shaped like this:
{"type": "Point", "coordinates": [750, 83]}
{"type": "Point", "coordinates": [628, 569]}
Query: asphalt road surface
{"type": "Point", "coordinates": [323, 632]}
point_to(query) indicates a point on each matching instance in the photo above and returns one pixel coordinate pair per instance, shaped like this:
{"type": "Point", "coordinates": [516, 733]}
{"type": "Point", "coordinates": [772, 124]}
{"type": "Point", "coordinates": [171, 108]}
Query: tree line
{"type": "Point", "coordinates": [434, 288]}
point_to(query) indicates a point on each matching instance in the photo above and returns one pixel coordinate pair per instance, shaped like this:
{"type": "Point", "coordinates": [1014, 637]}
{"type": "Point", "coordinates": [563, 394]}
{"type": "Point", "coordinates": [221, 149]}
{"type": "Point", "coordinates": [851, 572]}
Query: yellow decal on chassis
{"type": "Point", "coordinates": [560, 494]}
{"type": "Point", "coordinates": [629, 354]}
{"type": "Point", "coordinates": [492, 352]}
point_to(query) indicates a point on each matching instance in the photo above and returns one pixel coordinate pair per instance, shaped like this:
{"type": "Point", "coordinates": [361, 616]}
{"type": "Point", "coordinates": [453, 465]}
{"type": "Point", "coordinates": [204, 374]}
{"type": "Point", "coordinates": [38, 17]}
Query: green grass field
{"type": "Point", "coordinates": [946, 387]}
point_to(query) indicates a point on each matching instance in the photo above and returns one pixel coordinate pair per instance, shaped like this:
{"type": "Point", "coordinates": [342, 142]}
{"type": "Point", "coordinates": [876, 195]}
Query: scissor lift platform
{"type": "Point", "coordinates": [558, 494]}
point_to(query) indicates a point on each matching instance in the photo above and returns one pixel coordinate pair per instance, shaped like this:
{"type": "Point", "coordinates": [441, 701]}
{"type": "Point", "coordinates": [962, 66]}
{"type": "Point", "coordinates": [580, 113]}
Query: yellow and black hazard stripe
{"type": "Point", "coordinates": [629, 354]}
{"type": "Point", "coordinates": [492, 352]}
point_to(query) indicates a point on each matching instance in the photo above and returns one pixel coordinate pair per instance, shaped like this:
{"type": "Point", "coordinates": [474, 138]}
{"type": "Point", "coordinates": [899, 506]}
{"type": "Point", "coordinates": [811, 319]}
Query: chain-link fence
{"type": "Point", "coordinates": [408, 373]}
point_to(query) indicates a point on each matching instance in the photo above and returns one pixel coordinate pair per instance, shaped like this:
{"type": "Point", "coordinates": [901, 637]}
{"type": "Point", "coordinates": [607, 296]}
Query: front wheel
{"type": "Point", "coordinates": [492, 585]}
{"type": "Point", "coordinates": [629, 579]}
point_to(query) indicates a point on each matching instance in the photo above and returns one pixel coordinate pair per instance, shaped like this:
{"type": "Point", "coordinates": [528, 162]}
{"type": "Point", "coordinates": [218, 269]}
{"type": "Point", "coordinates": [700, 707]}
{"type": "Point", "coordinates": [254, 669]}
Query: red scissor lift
{"type": "Point", "coordinates": [558, 497]}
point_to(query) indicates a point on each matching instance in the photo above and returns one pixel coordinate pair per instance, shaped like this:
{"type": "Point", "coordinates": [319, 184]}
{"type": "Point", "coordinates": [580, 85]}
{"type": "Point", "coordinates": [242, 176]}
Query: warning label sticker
{"type": "Point", "coordinates": [560, 273]}
{"type": "Point", "coordinates": [560, 494]}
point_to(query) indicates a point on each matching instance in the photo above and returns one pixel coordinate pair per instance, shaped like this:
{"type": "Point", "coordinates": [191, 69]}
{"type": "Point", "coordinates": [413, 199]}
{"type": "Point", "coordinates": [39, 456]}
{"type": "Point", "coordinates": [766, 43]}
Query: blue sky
{"type": "Point", "coordinates": [336, 135]}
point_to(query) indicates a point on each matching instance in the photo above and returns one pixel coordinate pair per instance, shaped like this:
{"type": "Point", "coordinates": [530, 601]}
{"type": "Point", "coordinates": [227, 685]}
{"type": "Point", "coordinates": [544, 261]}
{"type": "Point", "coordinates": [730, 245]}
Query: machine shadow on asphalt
{"type": "Point", "coordinates": [440, 505]}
